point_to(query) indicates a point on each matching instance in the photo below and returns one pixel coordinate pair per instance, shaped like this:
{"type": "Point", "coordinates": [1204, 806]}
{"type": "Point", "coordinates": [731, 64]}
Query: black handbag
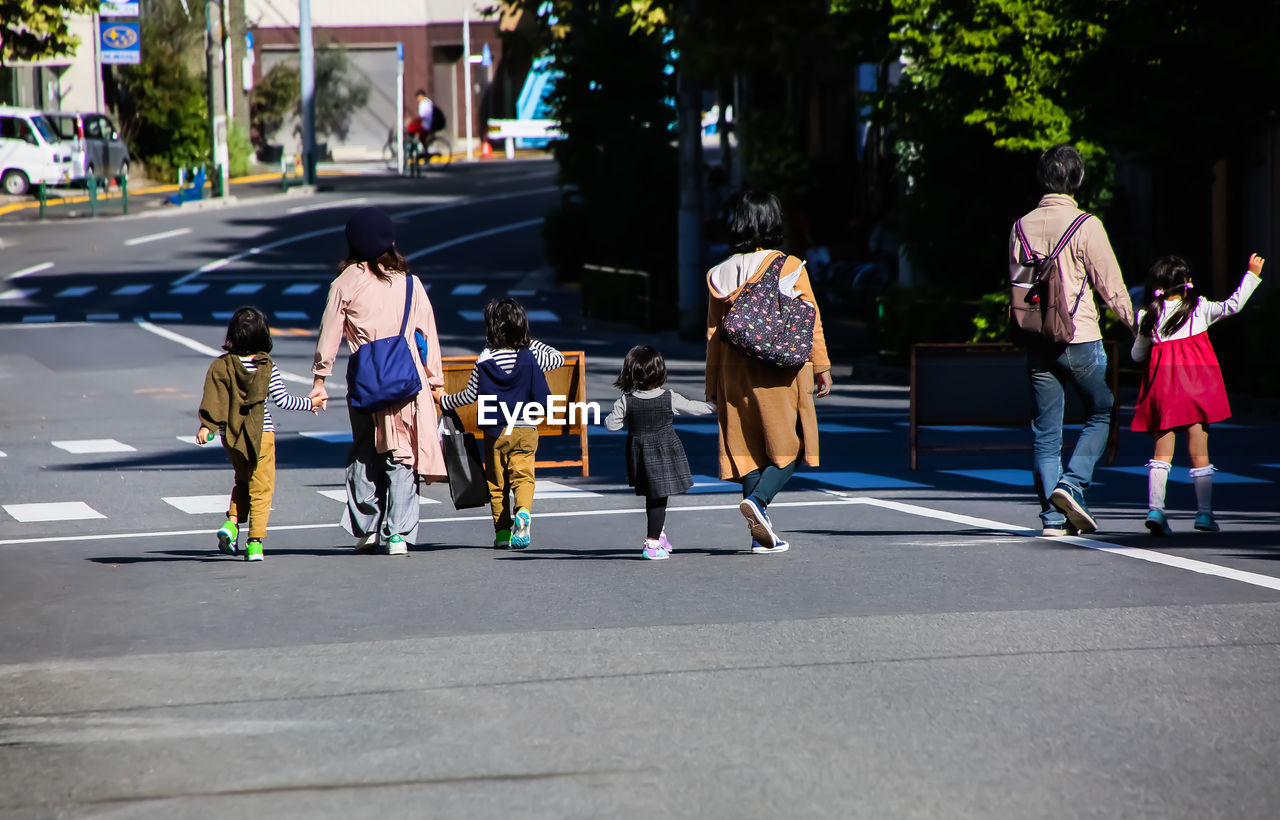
{"type": "Point", "coordinates": [467, 484]}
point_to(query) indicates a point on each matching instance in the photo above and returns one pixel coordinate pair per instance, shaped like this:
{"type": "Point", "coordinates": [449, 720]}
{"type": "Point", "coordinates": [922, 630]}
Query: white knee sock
{"type": "Point", "coordinates": [1202, 477]}
{"type": "Point", "coordinates": [1157, 478]}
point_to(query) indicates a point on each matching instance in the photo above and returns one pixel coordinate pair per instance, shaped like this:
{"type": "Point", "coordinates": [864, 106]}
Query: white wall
{"type": "Point", "coordinates": [333, 13]}
{"type": "Point", "coordinates": [77, 86]}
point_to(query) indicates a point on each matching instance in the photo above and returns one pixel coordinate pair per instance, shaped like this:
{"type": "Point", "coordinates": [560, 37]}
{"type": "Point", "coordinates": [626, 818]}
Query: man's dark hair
{"type": "Point", "coordinates": [756, 223]}
{"type": "Point", "coordinates": [1061, 171]}
{"type": "Point", "coordinates": [248, 333]}
{"type": "Point", "coordinates": [422, 92]}
{"type": "Point", "coordinates": [506, 325]}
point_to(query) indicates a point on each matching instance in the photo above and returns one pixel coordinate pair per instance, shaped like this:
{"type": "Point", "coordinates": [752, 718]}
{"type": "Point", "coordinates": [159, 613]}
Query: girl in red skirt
{"type": "Point", "coordinates": [1182, 389]}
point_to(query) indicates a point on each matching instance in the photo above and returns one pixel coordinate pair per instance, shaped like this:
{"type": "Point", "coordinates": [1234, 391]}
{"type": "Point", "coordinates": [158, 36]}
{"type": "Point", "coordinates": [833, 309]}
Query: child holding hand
{"type": "Point", "coordinates": [236, 387]}
{"type": "Point", "coordinates": [656, 463]}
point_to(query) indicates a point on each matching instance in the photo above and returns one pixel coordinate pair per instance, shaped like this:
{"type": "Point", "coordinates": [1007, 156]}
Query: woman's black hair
{"type": "Point", "coordinates": [642, 369]}
{"type": "Point", "coordinates": [382, 267]}
{"type": "Point", "coordinates": [756, 222]}
{"type": "Point", "coordinates": [248, 333]}
{"type": "Point", "coordinates": [1170, 274]}
{"type": "Point", "coordinates": [506, 325]}
{"type": "Point", "coordinates": [1061, 171]}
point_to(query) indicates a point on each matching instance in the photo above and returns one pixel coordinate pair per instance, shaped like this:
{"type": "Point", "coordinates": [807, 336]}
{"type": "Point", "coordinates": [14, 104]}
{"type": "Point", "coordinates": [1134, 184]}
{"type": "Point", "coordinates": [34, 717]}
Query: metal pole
{"type": "Point", "coordinates": [211, 90]}
{"type": "Point", "coordinates": [93, 193]}
{"type": "Point", "coordinates": [228, 70]}
{"type": "Point", "coordinates": [44, 195]}
{"type": "Point", "coordinates": [399, 118]}
{"type": "Point", "coordinates": [124, 193]}
{"type": "Point", "coordinates": [466, 68]}
{"type": "Point", "coordinates": [307, 56]}
{"type": "Point", "coordinates": [689, 221]}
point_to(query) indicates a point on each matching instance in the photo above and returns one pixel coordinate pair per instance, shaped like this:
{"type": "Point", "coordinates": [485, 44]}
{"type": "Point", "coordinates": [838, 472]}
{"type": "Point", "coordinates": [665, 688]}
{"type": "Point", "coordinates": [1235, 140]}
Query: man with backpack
{"type": "Point", "coordinates": [1059, 257]}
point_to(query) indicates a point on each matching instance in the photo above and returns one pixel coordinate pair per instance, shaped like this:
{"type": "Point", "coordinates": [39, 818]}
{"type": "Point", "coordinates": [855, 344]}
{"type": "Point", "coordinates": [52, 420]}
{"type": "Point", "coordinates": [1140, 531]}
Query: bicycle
{"type": "Point", "coordinates": [437, 150]}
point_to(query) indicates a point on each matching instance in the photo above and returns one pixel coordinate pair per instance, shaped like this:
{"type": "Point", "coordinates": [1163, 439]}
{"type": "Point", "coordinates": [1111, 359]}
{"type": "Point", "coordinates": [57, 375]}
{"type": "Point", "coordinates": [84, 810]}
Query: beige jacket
{"type": "Point", "coordinates": [1089, 251]}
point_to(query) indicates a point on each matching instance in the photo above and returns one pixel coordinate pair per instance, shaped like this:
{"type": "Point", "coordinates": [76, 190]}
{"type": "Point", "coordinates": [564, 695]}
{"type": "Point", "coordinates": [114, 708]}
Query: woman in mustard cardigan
{"type": "Point", "coordinates": [766, 413]}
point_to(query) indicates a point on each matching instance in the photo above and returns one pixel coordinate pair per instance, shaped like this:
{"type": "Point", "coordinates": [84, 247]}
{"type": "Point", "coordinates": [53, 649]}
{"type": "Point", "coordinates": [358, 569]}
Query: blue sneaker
{"type": "Point", "coordinates": [228, 534]}
{"type": "Point", "coordinates": [1071, 502]}
{"type": "Point", "coordinates": [1158, 524]}
{"type": "Point", "coordinates": [520, 536]}
{"type": "Point", "coordinates": [760, 549]}
{"type": "Point", "coordinates": [758, 521]}
{"type": "Point", "coordinates": [1205, 522]}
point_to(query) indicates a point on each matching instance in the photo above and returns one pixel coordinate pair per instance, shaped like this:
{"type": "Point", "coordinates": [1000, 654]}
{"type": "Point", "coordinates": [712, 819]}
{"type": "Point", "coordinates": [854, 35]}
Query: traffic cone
{"type": "Point", "coordinates": [486, 150]}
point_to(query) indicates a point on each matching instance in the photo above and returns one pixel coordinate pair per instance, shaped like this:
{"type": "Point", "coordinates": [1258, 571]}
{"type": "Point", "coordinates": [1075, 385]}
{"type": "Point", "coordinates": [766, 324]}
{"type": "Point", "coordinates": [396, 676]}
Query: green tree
{"type": "Point", "coordinates": [37, 29]}
{"type": "Point", "coordinates": [273, 98]}
{"type": "Point", "coordinates": [161, 103]}
{"type": "Point", "coordinates": [339, 95]}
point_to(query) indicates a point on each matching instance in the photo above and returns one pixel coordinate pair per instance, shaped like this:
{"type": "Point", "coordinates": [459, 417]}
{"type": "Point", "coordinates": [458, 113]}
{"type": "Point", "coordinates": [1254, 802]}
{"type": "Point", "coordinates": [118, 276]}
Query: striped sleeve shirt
{"type": "Point", "coordinates": [278, 393]}
{"type": "Point", "coordinates": [547, 357]}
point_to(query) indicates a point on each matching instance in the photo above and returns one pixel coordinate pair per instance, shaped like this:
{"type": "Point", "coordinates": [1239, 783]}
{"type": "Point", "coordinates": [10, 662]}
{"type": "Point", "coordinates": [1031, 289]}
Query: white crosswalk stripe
{"type": "Point", "coordinates": [52, 511]}
{"type": "Point", "coordinates": [94, 445]}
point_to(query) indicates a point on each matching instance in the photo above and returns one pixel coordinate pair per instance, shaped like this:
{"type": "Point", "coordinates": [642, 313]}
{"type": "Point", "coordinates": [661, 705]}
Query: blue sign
{"type": "Point", "coordinates": [487, 56]}
{"type": "Point", "coordinates": [248, 41]}
{"type": "Point", "coordinates": [121, 43]}
{"type": "Point", "coordinates": [400, 52]}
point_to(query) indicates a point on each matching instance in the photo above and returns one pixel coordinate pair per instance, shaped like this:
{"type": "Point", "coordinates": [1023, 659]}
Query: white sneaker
{"type": "Point", "coordinates": [397, 546]}
{"type": "Point", "coordinates": [365, 543]}
{"type": "Point", "coordinates": [758, 521]}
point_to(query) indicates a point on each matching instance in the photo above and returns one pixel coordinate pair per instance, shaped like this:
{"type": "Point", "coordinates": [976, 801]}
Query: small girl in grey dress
{"type": "Point", "coordinates": [656, 464]}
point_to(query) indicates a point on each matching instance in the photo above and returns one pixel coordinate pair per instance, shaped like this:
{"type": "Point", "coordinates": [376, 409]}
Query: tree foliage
{"type": "Point", "coordinates": [339, 95]}
{"type": "Point", "coordinates": [273, 98]}
{"type": "Point", "coordinates": [37, 29]}
{"type": "Point", "coordinates": [162, 104]}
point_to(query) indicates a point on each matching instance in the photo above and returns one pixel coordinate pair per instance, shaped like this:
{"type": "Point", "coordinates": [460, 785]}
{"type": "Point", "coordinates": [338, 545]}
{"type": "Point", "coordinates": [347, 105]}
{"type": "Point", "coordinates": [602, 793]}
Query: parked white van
{"type": "Point", "coordinates": [30, 152]}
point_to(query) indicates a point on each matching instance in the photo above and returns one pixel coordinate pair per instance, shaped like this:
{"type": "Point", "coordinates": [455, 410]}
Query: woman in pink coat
{"type": "Point", "coordinates": [390, 449]}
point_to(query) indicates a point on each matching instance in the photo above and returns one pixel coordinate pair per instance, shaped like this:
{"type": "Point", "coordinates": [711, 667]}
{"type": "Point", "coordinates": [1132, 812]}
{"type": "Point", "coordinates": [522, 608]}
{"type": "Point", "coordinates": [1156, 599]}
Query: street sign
{"type": "Point", "coordinates": [121, 43]}
{"type": "Point", "coordinates": [120, 8]}
{"type": "Point", "coordinates": [486, 58]}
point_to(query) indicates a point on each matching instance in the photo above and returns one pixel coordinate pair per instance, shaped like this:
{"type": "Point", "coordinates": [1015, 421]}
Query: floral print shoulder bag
{"type": "Point", "coordinates": [766, 324]}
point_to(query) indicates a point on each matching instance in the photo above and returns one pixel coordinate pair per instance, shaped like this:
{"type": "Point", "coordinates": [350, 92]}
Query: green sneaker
{"type": "Point", "coordinates": [253, 550]}
{"type": "Point", "coordinates": [502, 540]}
{"type": "Point", "coordinates": [228, 533]}
{"type": "Point", "coordinates": [397, 546]}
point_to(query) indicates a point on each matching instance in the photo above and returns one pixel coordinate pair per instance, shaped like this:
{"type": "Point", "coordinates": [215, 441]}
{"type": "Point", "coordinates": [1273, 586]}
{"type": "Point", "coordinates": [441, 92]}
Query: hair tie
{"type": "Point", "coordinates": [1157, 293]}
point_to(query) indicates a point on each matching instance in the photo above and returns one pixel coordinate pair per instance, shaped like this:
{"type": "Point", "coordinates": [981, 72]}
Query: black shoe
{"type": "Point", "coordinates": [1071, 502]}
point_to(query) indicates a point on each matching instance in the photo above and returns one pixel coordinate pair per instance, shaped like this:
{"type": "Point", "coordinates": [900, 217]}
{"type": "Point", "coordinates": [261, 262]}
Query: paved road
{"type": "Point", "coordinates": [918, 653]}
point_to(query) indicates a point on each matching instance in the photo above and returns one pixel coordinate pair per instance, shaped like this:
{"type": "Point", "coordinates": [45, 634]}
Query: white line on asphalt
{"type": "Point", "coordinates": [156, 237]}
{"type": "Point", "coordinates": [479, 235]}
{"type": "Point", "coordinates": [444, 520]}
{"type": "Point", "coordinates": [1175, 561]}
{"type": "Point", "coordinates": [200, 347]}
{"type": "Point", "coordinates": [227, 260]}
{"type": "Point", "coordinates": [33, 269]}
{"type": "Point", "coordinates": [321, 206]}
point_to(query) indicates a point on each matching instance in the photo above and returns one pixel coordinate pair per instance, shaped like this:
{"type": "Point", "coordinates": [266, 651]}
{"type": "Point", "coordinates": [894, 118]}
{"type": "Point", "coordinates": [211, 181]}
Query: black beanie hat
{"type": "Point", "coordinates": [370, 233]}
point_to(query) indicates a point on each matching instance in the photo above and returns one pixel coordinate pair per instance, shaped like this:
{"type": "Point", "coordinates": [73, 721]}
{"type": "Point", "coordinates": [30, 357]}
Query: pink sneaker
{"type": "Point", "coordinates": [666, 545]}
{"type": "Point", "coordinates": [653, 550]}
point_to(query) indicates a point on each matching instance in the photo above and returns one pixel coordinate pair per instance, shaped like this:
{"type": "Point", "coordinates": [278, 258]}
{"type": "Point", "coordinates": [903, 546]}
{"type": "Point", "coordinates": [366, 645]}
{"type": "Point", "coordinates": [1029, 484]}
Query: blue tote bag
{"type": "Point", "coordinates": [382, 372]}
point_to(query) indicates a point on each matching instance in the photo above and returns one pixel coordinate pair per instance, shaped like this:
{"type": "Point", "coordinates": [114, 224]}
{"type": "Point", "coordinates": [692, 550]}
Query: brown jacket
{"type": "Point", "coordinates": [1089, 251]}
{"type": "Point", "coordinates": [766, 413]}
{"type": "Point", "coordinates": [235, 400]}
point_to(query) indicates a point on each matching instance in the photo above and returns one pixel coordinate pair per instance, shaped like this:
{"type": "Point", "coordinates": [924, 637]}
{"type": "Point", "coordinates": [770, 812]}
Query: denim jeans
{"type": "Point", "coordinates": [1052, 369]}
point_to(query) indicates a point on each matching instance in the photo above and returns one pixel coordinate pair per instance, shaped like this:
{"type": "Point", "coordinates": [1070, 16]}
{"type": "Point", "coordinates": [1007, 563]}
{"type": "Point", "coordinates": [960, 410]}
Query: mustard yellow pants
{"type": "Point", "coordinates": [254, 487]}
{"type": "Point", "coordinates": [508, 468]}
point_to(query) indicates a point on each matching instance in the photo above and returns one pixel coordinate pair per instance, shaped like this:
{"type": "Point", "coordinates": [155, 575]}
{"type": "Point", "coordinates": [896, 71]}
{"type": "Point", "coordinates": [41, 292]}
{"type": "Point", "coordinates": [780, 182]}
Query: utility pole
{"type": "Point", "coordinates": [306, 55]}
{"type": "Point", "coordinates": [211, 91]}
{"type": "Point", "coordinates": [466, 68]}
{"type": "Point", "coordinates": [689, 224]}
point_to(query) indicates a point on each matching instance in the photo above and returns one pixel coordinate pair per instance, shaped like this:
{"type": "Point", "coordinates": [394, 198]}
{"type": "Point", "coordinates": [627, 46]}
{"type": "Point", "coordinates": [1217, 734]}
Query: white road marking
{"type": "Point", "coordinates": [52, 511]}
{"type": "Point", "coordinates": [130, 290]}
{"type": "Point", "coordinates": [33, 269]}
{"type": "Point", "coordinates": [94, 445]}
{"type": "Point", "coordinates": [3, 454]}
{"type": "Point", "coordinates": [156, 237]}
{"type": "Point", "coordinates": [321, 206]}
{"type": "Point", "coordinates": [227, 260]}
{"type": "Point", "coordinates": [341, 495]}
{"type": "Point", "coordinates": [192, 344]}
{"type": "Point", "coordinates": [478, 235]}
{"type": "Point", "coordinates": [467, 290]}
{"type": "Point", "coordinates": [1175, 561]}
{"type": "Point", "coordinates": [547, 490]}
{"type": "Point", "coordinates": [79, 290]}
{"type": "Point", "coordinates": [18, 293]}
{"type": "Point", "coordinates": [102, 317]}
{"type": "Point", "coordinates": [244, 289]}
{"type": "Point", "coordinates": [302, 289]}
{"type": "Point", "coordinates": [198, 504]}
{"type": "Point", "coordinates": [186, 290]}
